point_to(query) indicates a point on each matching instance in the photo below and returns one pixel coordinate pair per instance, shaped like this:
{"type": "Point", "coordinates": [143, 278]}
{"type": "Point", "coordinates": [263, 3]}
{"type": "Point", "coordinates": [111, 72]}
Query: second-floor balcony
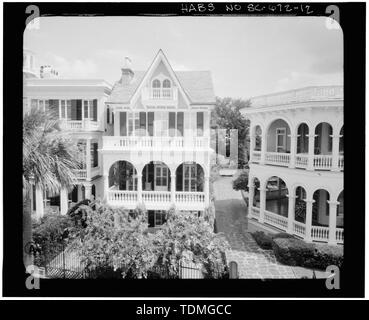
{"type": "Point", "coordinates": [80, 125]}
{"type": "Point", "coordinates": [155, 143]}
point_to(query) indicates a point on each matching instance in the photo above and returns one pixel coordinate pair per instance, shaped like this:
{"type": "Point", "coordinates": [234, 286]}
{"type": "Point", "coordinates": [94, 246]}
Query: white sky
{"type": "Point", "coordinates": [247, 56]}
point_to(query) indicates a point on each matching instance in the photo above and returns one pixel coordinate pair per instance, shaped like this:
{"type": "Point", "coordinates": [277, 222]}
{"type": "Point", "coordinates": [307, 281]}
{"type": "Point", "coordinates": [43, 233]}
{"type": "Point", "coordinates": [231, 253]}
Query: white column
{"type": "Point", "coordinates": [335, 152]}
{"type": "Point", "coordinates": [251, 198]}
{"type": "Point", "coordinates": [139, 187]}
{"type": "Point", "coordinates": [293, 140]}
{"type": "Point", "coordinates": [39, 203]}
{"type": "Point", "coordinates": [263, 147]}
{"type": "Point", "coordinates": [311, 152]}
{"type": "Point", "coordinates": [63, 201]}
{"type": "Point", "coordinates": [88, 190]}
{"type": "Point", "coordinates": [172, 188]}
{"type": "Point", "coordinates": [106, 187]}
{"type": "Point", "coordinates": [88, 158]}
{"type": "Point", "coordinates": [252, 146]}
{"type": "Point", "coordinates": [309, 219]}
{"type": "Point", "coordinates": [291, 212]}
{"type": "Point", "coordinates": [262, 204]}
{"type": "Point", "coordinates": [332, 221]}
{"type": "Point", "coordinates": [206, 190]}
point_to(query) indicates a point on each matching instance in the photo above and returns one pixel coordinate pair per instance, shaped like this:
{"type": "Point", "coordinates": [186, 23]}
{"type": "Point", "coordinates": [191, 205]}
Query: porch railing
{"type": "Point", "coordinates": [158, 143]}
{"type": "Point", "coordinates": [81, 174]}
{"type": "Point", "coordinates": [319, 233]}
{"type": "Point", "coordinates": [255, 212]}
{"type": "Point", "coordinates": [301, 161]}
{"type": "Point", "coordinates": [122, 196]}
{"type": "Point", "coordinates": [275, 220]}
{"type": "Point", "coordinates": [299, 229]}
{"type": "Point", "coordinates": [278, 158]}
{"type": "Point", "coordinates": [156, 196]}
{"type": "Point", "coordinates": [340, 162]}
{"type": "Point", "coordinates": [322, 162]}
{"type": "Point", "coordinates": [86, 124]}
{"type": "Point", "coordinates": [339, 235]}
{"type": "Point", "coordinates": [189, 197]}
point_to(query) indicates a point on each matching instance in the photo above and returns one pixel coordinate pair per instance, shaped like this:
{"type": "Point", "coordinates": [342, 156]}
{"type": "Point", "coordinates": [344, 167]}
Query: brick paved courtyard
{"type": "Point", "coordinates": [253, 262]}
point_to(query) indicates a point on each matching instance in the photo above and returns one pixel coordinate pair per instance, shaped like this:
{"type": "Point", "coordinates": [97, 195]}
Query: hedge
{"type": "Point", "coordinates": [265, 241]}
{"type": "Point", "coordinates": [296, 252]}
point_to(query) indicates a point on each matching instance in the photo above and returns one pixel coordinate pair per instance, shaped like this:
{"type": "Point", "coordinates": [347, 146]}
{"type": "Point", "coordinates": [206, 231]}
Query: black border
{"type": "Point", "coordinates": [352, 20]}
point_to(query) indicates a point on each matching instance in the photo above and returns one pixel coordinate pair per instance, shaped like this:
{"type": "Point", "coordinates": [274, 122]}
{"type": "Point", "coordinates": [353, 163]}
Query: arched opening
{"type": "Point", "coordinates": [258, 140]}
{"type": "Point", "coordinates": [166, 83]}
{"type": "Point", "coordinates": [276, 196]}
{"type": "Point", "coordinates": [320, 215]}
{"type": "Point", "coordinates": [279, 137]}
{"type": "Point", "coordinates": [302, 138]}
{"type": "Point", "coordinates": [83, 191]}
{"type": "Point", "coordinates": [341, 141]}
{"type": "Point", "coordinates": [51, 202]}
{"type": "Point", "coordinates": [340, 211]}
{"type": "Point", "coordinates": [256, 199]}
{"type": "Point", "coordinates": [122, 176]}
{"type": "Point", "coordinates": [156, 84]}
{"type": "Point", "coordinates": [156, 177]}
{"type": "Point", "coordinates": [190, 177]}
{"type": "Point", "coordinates": [300, 205]}
{"type": "Point", "coordinates": [323, 139]}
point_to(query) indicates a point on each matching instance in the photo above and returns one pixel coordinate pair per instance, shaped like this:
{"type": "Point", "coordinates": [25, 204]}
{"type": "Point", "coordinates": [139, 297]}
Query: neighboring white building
{"type": "Point", "coordinates": [296, 162]}
{"type": "Point", "coordinates": [146, 140]}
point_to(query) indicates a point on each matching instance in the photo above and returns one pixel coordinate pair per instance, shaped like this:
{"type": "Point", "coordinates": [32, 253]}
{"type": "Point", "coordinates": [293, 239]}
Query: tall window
{"type": "Point", "coordinates": [200, 123]}
{"type": "Point", "coordinates": [281, 139]}
{"type": "Point", "coordinates": [94, 155]}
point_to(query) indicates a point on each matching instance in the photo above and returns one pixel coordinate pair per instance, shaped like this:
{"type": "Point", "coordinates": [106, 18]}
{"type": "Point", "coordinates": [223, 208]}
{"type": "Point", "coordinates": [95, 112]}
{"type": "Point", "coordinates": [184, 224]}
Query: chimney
{"type": "Point", "coordinates": [47, 72]}
{"type": "Point", "coordinates": [127, 73]}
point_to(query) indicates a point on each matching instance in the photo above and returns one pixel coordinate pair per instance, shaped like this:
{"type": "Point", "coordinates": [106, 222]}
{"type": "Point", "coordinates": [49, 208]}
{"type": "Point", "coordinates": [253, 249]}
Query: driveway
{"type": "Point", "coordinates": [252, 261]}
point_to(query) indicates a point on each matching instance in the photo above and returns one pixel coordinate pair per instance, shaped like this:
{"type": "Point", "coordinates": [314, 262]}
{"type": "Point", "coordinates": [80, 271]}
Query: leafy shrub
{"type": "Point", "coordinates": [296, 252]}
{"type": "Point", "coordinates": [47, 236]}
{"type": "Point", "coordinates": [241, 182]}
{"type": "Point", "coordinates": [326, 255]}
{"type": "Point", "coordinates": [293, 252]}
{"type": "Point", "coordinates": [283, 235]}
{"type": "Point", "coordinates": [265, 241]}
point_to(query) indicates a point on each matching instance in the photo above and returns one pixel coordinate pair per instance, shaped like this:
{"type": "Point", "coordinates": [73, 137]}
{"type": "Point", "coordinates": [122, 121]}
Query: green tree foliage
{"type": "Point", "coordinates": [49, 163]}
{"type": "Point", "coordinates": [242, 181]}
{"type": "Point", "coordinates": [189, 238]}
{"type": "Point", "coordinates": [227, 115]}
{"type": "Point", "coordinates": [115, 239]}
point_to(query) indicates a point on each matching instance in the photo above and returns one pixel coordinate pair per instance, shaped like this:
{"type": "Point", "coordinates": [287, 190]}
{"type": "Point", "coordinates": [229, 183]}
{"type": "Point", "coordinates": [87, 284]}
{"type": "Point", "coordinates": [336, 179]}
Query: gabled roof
{"type": "Point", "coordinates": [197, 85]}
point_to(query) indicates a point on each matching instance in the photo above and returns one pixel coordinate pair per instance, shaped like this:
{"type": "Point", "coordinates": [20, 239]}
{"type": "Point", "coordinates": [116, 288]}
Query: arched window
{"type": "Point", "coordinates": [156, 83]}
{"type": "Point", "coordinates": [166, 83]}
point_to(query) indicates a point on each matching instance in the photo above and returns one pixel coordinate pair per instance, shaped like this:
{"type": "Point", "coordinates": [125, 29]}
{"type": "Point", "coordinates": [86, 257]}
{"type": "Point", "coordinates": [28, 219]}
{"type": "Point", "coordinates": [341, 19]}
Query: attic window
{"type": "Point", "coordinates": [166, 83]}
{"type": "Point", "coordinates": [156, 83]}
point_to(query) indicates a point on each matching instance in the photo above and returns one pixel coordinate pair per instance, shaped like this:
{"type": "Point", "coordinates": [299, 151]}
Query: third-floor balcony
{"type": "Point", "coordinates": [166, 96]}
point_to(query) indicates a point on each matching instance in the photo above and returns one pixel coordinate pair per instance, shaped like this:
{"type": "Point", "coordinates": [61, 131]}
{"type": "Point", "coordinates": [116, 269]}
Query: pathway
{"type": "Point", "coordinates": [253, 262]}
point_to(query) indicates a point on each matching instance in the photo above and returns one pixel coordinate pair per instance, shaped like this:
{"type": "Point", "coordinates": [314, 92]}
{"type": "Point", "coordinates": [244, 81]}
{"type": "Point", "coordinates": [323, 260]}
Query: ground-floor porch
{"type": "Point", "coordinates": [157, 186]}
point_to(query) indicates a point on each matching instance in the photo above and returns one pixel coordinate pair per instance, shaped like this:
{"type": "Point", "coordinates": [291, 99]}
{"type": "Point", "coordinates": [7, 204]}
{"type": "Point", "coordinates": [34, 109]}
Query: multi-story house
{"type": "Point", "coordinates": [296, 162]}
{"type": "Point", "coordinates": [80, 106]}
{"type": "Point", "coordinates": [146, 140]}
{"type": "Point", "coordinates": [157, 148]}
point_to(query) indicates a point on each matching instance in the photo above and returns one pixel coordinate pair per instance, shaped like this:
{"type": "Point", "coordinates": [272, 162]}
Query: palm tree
{"type": "Point", "coordinates": [49, 163]}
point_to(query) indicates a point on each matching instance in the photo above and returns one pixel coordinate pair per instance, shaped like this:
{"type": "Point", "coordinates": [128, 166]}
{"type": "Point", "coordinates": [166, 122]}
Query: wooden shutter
{"type": "Point", "coordinates": [123, 123]}
{"type": "Point", "coordinates": [142, 123]}
{"type": "Point", "coordinates": [180, 117]}
{"type": "Point", "coordinates": [79, 109]}
{"type": "Point", "coordinates": [150, 121]}
{"type": "Point", "coordinates": [200, 123]}
{"type": "Point", "coordinates": [94, 110]}
{"type": "Point", "coordinates": [172, 124]}
{"type": "Point", "coordinates": [74, 110]}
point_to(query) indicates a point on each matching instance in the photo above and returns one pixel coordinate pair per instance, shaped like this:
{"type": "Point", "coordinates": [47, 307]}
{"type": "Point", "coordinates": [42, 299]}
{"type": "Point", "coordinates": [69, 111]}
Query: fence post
{"type": "Point", "coordinates": [233, 270]}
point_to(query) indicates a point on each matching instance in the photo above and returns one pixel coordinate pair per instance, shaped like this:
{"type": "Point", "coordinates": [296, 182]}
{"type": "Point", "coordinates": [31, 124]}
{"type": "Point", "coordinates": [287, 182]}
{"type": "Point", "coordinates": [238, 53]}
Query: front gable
{"type": "Point", "coordinates": [161, 70]}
